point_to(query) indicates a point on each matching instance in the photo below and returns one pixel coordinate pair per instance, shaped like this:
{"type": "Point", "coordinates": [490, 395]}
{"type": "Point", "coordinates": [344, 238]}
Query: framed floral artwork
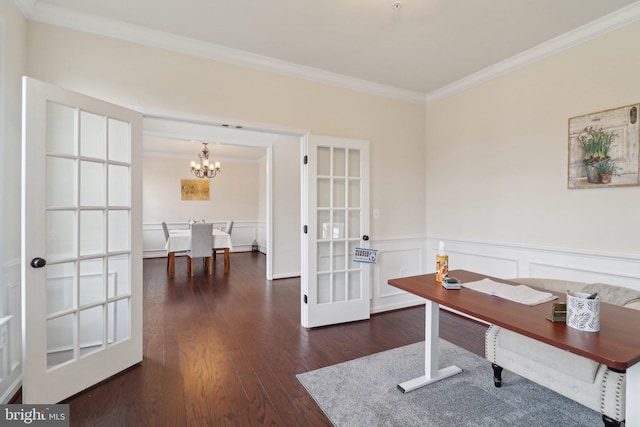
{"type": "Point", "coordinates": [604, 149]}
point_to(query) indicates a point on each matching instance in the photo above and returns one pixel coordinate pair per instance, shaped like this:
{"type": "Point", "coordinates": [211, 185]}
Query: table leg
{"type": "Point", "coordinates": [431, 361]}
{"type": "Point", "coordinates": [632, 413]}
{"type": "Point", "coordinates": [227, 262]}
{"type": "Point", "coordinates": [172, 264]}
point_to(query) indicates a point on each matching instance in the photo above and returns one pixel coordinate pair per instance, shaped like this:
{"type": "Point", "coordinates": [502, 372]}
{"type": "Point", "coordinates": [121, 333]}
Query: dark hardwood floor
{"type": "Point", "coordinates": [224, 350]}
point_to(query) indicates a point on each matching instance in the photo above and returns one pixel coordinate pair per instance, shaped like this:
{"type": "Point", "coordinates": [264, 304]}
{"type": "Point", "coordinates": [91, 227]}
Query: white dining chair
{"type": "Point", "coordinates": [201, 239]}
{"type": "Point", "coordinates": [227, 229]}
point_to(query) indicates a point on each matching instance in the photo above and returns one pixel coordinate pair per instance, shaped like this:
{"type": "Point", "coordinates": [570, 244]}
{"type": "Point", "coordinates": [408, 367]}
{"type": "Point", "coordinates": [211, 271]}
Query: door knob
{"type": "Point", "coordinates": [365, 237]}
{"type": "Point", "coordinates": [38, 262]}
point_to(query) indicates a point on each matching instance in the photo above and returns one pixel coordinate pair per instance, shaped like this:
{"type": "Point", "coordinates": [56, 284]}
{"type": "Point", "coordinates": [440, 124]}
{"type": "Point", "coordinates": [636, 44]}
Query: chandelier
{"type": "Point", "coordinates": [202, 168]}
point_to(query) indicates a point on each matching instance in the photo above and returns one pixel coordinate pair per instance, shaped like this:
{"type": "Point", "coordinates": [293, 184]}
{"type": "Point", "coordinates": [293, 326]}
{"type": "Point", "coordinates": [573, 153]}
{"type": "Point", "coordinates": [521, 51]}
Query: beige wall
{"type": "Point", "coordinates": [13, 58]}
{"type": "Point", "coordinates": [233, 193]}
{"type": "Point", "coordinates": [154, 79]}
{"type": "Point", "coordinates": [497, 153]}
{"type": "Point", "coordinates": [135, 75]}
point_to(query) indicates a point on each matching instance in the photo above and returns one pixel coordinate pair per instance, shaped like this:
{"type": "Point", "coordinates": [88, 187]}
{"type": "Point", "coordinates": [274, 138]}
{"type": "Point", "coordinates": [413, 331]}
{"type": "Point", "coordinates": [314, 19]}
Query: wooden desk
{"type": "Point", "coordinates": [180, 240]}
{"type": "Point", "coordinates": [617, 345]}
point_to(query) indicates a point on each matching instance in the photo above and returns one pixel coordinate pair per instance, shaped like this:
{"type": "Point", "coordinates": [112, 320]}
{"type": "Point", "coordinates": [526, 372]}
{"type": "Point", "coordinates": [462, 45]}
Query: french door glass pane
{"type": "Point", "coordinates": [60, 342]}
{"type": "Point", "coordinates": [118, 231]}
{"type": "Point", "coordinates": [339, 221]}
{"type": "Point", "coordinates": [355, 291]}
{"type": "Point", "coordinates": [60, 182]}
{"type": "Point", "coordinates": [324, 193]}
{"type": "Point", "coordinates": [91, 279]}
{"type": "Point", "coordinates": [354, 193]}
{"type": "Point", "coordinates": [354, 163]}
{"type": "Point", "coordinates": [354, 224]}
{"type": "Point", "coordinates": [339, 256]}
{"type": "Point", "coordinates": [339, 287]}
{"type": "Point", "coordinates": [324, 161]}
{"type": "Point", "coordinates": [339, 162]}
{"type": "Point", "coordinates": [119, 141]}
{"type": "Point", "coordinates": [92, 184]}
{"type": "Point", "coordinates": [119, 186]}
{"type": "Point", "coordinates": [118, 314]}
{"type": "Point", "coordinates": [324, 224]}
{"type": "Point", "coordinates": [118, 277]}
{"type": "Point", "coordinates": [91, 329]}
{"type": "Point", "coordinates": [324, 288]}
{"type": "Point", "coordinates": [324, 256]}
{"type": "Point", "coordinates": [339, 193]}
{"type": "Point", "coordinates": [91, 232]}
{"type": "Point", "coordinates": [61, 235]}
{"type": "Point", "coordinates": [61, 129]}
{"type": "Point", "coordinates": [92, 135]}
{"type": "Point", "coordinates": [60, 287]}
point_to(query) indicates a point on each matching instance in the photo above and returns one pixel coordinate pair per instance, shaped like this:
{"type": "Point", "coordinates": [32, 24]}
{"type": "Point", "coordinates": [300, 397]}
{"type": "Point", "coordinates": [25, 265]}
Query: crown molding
{"type": "Point", "coordinates": [55, 15]}
{"type": "Point", "coordinates": [594, 29]}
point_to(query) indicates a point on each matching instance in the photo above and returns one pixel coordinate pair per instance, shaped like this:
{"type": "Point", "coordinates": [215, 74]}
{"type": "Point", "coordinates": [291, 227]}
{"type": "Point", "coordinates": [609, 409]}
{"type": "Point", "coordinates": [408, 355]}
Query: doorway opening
{"type": "Point", "coordinates": [281, 178]}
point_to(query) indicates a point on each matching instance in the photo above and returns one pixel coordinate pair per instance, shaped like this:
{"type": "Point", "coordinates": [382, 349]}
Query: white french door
{"type": "Point", "coordinates": [81, 241]}
{"type": "Point", "coordinates": [335, 195]}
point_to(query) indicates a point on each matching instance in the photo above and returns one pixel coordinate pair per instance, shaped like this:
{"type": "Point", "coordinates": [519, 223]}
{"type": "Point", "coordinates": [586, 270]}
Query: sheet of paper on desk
{"type": "Point", "coordinates": [519, 293]}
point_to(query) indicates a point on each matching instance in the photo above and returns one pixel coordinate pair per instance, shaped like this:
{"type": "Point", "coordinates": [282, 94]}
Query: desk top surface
{"type": "Point", "coordinates": [616, 345]}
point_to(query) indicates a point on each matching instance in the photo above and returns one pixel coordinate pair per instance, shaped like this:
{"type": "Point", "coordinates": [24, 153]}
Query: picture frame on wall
{"type": "Point", "coordinates": [604, 149]}
{"type": "Point", "coordinates": [194, 189]}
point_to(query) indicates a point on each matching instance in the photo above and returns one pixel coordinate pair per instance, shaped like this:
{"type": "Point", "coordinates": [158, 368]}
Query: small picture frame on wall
{"type": "Point", "coordinates": [604, 149]}
{"type": "Point", "coordinates": [194, 189]}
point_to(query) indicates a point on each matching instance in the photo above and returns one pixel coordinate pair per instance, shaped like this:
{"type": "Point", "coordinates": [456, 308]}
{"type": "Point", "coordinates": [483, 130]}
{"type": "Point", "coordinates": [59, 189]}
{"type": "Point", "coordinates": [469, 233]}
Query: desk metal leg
{"type": "Point", "coordinates": [431, 361]}
{"type": "Point", "coordinates": [227, 262]}
{"type": "Point", "coordinates": [632, 413]}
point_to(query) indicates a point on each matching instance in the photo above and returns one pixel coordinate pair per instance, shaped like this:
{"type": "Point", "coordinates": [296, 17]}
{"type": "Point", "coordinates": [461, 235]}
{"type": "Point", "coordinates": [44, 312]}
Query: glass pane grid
{"type": "Point", "coordinates": [87, 292]}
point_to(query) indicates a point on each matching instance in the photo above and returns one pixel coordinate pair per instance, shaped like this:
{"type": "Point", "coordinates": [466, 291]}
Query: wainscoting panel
{"type": "Point", "coordinates": [396, 258]}
{"type": "Point", "coordinates": [513, 261]}
{"type": "Point", "coordinates": [10, 331]}
{"type": "Point", "coordinates": [242, 236]}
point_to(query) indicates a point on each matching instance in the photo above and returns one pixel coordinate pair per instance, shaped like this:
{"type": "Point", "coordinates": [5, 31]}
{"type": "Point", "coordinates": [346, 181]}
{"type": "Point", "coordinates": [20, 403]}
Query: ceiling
{"type": "Point", "coordinates": [420, 46]}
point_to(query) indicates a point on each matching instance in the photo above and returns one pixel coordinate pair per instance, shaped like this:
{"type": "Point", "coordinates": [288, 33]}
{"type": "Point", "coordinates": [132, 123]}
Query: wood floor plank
{"type": "Point", "coordinates": [224, 350]}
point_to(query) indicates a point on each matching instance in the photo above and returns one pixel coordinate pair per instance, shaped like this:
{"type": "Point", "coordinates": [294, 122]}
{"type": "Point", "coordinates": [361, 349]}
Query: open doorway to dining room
{"type": "Point", "coordinates": [260, 169]}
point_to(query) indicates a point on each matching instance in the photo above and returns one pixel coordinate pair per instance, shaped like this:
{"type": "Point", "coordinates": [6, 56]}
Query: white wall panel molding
{"type": "Point", "coordinates": [10, 331]}
{"type": "Point", "coordinates": [396, 258]}
{"type": "Point", "coordinates": [508, 260]}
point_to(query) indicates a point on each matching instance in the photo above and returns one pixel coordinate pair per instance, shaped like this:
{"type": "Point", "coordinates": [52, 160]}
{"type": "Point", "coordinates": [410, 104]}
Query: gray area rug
{"type": "Point", "coordinates": [363, 392]}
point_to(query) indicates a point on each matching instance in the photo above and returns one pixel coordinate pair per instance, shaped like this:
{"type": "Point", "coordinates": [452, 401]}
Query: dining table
{"type": "Point", "coordinates": [180, 240]}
